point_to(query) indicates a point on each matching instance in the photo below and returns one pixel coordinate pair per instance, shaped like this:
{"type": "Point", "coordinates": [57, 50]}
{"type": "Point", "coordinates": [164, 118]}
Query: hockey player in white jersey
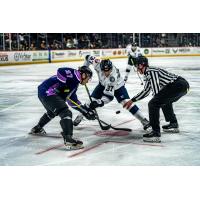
{"type": "Point", "coordinates": [111, 85]}
{"type": "Point", "coordinates": [133, 51]}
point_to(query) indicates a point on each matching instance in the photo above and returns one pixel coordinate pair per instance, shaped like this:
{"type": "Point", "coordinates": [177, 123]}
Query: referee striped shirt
{"type": "Point", "coordinates": [155, 79]}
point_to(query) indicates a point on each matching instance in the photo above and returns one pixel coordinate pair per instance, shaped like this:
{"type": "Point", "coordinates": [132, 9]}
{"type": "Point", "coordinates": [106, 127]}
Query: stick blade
{"type": "Point", "coordinates": [105, 127]}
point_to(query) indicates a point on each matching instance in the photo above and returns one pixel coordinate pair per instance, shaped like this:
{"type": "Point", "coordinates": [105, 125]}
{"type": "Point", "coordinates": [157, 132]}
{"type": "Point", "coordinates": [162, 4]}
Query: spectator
{"type": "Point", "coordinates": [69, 43]}
{"type": "Point", "coordinates": [23, 41]}
{"type": "Point", "coordinates": [158, 42]}
{"type": "Point", "coordinates": [43, 45]}
{"type": "Point", "coordinates": [98, 44]}
{"type": "Point", "coordinates": [75, 41]}
{"type": "Point", "coordinates": [32, 47]}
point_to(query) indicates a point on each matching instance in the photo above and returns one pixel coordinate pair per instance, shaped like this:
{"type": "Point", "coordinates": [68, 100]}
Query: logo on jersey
{"type": "Point", "coordinates": [68, 74]}
{"type": "Point", "coordinates": [112, 79]}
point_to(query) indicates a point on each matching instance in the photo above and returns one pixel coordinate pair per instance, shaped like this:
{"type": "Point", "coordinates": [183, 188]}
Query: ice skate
{"type": "Point", "coordinates": [78, 120]}
{"type": "Point", "coordinates": [37, 130]}
{"type": "Point", "coordinates": [153, 137]}
{"type": "Point", "coordinates": [73, 144]}
{"type": "Point", "coordinates": [146, 125]}
{"type": "Point", "coordinates": [171, 128]}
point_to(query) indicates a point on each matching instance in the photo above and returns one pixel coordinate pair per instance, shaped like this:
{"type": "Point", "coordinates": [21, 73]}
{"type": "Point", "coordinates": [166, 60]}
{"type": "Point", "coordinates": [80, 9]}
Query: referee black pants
{"type": "Point", "coordinates": [164, 99]}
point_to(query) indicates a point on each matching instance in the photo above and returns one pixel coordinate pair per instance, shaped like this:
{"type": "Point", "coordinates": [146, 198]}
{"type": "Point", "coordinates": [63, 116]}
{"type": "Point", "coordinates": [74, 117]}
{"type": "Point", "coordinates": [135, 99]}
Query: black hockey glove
{"type": "Point", "coordinates": [87, 112]}
{"type": "Point", "coordinates": [96, 104]}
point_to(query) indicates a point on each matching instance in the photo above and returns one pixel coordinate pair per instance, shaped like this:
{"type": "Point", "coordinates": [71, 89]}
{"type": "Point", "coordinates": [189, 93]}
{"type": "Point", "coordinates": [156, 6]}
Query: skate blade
{"type": "Point", "coordinates": [153, 139]}
{"type": "Point", "coordinates": [37, 134]}
{"type": "Point", "coordinates": [174, 130]}
{"type": "Point", "coordinates": [70, 147]}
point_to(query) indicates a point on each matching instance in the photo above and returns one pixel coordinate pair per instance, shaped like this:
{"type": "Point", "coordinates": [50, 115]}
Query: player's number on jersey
{"type": "Point", "coordinates": [91, 59]}
{"type": "Point", "coordinates": [109, 88]}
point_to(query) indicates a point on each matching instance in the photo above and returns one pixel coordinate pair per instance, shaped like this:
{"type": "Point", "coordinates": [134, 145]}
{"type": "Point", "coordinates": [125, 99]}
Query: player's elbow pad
{"type": "Point", "coordinates": [60, 76]}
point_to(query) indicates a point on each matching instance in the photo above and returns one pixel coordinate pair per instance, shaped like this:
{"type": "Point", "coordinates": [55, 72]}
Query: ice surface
{"type": "Point", "coordinates": [20, 110]}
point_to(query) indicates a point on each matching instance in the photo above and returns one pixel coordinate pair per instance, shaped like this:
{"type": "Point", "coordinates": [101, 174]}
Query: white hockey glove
{"type": "Point", "coordinates": [96, 104]}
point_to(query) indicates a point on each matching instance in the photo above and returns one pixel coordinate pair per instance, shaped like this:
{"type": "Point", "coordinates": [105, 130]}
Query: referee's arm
{"type": "Point", "coordinates": [145, 92]}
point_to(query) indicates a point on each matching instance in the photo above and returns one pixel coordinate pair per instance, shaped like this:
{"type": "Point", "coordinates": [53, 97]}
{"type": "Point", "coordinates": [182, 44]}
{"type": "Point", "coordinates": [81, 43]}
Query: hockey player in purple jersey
{"type": "Point", "coordinates": [54, 93]}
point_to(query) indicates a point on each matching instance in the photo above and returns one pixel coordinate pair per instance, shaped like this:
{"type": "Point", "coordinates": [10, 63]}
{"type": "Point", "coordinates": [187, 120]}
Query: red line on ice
{"type": "Point", "coordinates": [97, 145]}
{"type": "Point", "coordinates": [49, 149]}
{"type": "Point", "coordinates": [85, 150]}
{"type": "Point", "coordinates": [143, 144]}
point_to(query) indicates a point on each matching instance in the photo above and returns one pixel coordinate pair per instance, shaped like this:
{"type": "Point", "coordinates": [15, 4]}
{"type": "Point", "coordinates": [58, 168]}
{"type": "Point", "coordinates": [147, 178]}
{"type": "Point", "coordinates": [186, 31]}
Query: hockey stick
{"type": "Point", "coordinates": [138, 76]}
{"type": "Point", "coordinates": [97, 116]}
{"type": "Point", "coordinates": [120, 129]}
{"type": "Point", "coordinates": [100, 121]}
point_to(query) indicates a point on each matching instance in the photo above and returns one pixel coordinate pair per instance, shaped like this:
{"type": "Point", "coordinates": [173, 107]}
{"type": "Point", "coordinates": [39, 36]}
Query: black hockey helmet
{"type": "Point", "coordinates": [141, 60]}
{"type": "Point", "coordinates": [106, 65]}
{"type": "Point", "coordinates": [132, 47]}
{"type": "Point", "coordinates": [86, 70]}
{"type": "Point", "coordinates": [134, 44]}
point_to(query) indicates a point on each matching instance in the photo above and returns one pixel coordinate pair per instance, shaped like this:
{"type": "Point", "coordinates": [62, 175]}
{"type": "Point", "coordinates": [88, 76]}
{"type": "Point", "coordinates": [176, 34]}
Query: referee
{"type": "Point", "coordinates": [166, 88]}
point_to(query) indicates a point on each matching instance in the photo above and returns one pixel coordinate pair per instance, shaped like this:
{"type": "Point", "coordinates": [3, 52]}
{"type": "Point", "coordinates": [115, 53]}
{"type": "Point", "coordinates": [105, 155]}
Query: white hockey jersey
{"type": "Point", "coordinates": [132, 55]}
{"type": "Point", "coordinates": [111, 83]}
{"type": "Point", "coordinates": [135, 53]}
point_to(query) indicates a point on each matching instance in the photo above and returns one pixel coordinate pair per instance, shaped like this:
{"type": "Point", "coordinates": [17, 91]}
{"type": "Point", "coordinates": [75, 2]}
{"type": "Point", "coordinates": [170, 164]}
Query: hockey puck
{"type": "Point", "coordinates": [117, 112]}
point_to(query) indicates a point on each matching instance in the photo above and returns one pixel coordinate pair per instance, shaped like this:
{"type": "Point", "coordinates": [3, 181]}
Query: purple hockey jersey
{"type": "Point", "coordinates": [64, 84]}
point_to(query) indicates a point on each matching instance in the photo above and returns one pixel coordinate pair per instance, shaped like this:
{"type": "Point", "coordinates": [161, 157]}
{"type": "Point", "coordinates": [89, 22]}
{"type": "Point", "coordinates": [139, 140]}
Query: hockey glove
{"type": "Point", "coordinates": [87, 112]}
{"type": "Point", "coordinates": [96, 104]}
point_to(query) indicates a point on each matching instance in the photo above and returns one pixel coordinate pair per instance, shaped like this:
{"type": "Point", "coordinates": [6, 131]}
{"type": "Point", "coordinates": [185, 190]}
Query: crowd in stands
{"type": "Point", "coordinates": [170, 39]}
{"type": "Point", "coordinates": [44, 41]}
